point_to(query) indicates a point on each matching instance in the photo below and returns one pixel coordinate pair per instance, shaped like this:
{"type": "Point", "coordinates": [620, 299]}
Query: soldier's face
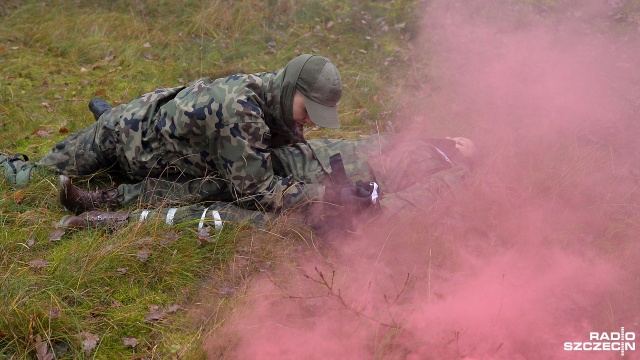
{"type": "Point", "coordinates": [465, 146]}
{"type": "Point", "coordinates": [300, 114]}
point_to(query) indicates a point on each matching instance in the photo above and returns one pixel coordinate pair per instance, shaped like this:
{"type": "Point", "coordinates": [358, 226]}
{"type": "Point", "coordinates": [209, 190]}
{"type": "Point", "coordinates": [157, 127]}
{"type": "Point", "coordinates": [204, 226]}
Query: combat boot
{"type": "Point", "coordinates": [96, 219]}
{"type": "Point", "coordinates": [99, 107]}
{"type": "Point", "coordinates": [78, 201]}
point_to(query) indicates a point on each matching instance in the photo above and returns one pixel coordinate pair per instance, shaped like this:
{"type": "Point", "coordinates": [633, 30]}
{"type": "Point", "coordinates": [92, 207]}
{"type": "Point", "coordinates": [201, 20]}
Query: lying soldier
{"type": "Point", "coordinates": [354, 174]}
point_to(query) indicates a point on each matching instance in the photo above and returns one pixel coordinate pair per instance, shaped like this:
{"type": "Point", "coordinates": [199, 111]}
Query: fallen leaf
{"type": "Point", "coordinates": [56, 234]}
{"type": "Point", "coordinates": [89, 342]}
{"type": "Point", "coordinates": [55, 313]}
{"type": "Point", "coordinates": [31, 242]}
{"type": "Point", "coordinates": [143, 254]}
{"type": "Point", "coordinates": [18, 197]}
{"type": "Point", "coordinates": [203, 235]}
{"type": "Point", "coordinates": [43, 133]}
{"type": "Point", "coordinates": [154, 315]}
{"type": "Point", "coordinates": [42, 350]}
{"type": "Point", "coordinates": [328, 25]}
{"type": "Point", "coordinates": [38, 263]}
{"type": "Point", "coordinates": [133, 342]}
{"type": "Point", "coordinates": [169, 238]}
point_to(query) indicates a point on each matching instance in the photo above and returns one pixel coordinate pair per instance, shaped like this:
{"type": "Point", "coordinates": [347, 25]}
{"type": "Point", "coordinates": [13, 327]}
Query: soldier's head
{"type": "Point", "coordinates": [320, 86]}
{"type": "Point", "coordinates": [310, 92]}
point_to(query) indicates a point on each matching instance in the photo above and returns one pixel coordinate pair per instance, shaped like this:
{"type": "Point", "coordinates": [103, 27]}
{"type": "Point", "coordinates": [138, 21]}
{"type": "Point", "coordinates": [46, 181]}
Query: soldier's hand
{"type": "Point", "coordinates": [348, 196]}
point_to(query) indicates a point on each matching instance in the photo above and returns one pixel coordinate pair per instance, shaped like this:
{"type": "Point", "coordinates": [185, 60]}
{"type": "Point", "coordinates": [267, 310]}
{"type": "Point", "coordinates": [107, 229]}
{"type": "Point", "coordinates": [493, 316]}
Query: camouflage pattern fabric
{"type": "Point", "coordinates": [175, 191]}
{"type": "Point", "coordinates": [219, 132]}
{"type": "Point", "coordinates": [84, 152]}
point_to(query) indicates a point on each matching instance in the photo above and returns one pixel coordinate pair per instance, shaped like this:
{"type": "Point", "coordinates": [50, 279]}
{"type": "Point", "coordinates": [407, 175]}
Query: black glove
{"type": "Point", "coordinates": [348, 196]}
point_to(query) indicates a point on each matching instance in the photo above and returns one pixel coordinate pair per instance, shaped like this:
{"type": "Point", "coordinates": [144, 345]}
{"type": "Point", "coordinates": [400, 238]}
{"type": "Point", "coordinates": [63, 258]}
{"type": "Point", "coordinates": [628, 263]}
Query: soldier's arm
{"type": "Point", "coordinates": [245, 160]}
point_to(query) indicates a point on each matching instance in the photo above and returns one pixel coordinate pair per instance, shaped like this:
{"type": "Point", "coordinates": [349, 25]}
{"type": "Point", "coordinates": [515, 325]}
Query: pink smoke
{"type": "Point", "coordinates": [543, 249]}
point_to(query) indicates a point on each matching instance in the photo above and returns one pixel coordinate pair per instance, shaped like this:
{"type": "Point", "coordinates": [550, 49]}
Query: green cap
{"type": "Point", "coordinates": [321, 85]}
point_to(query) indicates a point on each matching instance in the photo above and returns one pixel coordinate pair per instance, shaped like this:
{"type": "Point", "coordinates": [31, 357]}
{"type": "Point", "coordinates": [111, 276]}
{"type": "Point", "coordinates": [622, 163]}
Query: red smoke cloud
{"type": "Point", "coordinates": [542, 251]}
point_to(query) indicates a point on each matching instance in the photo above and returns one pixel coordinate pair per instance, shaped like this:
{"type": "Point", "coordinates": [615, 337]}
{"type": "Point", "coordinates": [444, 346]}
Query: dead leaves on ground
{"type": "Point", "coordinates": [156, 314]}
{"type": "Point", "coordinates": [17, 197]}
{"type": "Point", "coordinates": [204, 235]}
{"type": "Point", "coordinates": [89, 342]}
{"type": "Point", "coordinates": [131, 342]}
{"type": "Point", "coordinates": [55, 313]}
{"type": "Point", "coordinates": [42, 349]}
{"type": "Point", "coordinates": [56, 234]}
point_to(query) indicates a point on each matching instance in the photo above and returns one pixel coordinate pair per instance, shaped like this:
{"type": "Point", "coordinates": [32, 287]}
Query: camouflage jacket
{"type": "Point", "coordinates": [222, 128]}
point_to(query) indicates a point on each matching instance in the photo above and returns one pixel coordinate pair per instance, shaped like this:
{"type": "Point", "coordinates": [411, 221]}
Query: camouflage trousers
{"type": "Point", "coordinates": [85, 152]}
{"type": "Point", "coordinates": [94, 149]}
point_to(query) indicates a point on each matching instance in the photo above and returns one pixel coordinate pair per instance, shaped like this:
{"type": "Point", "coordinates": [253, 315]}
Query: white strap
{"type": "Point", "coordinates": [217, 220]}
{"type": "Point", "coordinates": [143, 215]}
{"type": "Point", "coordinates": [201, 223]}
{"type": "Point", "coordinates": [374, 193]}
{"type": "Point", "coordinates": [444, 156]}
{"type": "Point", "coordinates": [170, 214]}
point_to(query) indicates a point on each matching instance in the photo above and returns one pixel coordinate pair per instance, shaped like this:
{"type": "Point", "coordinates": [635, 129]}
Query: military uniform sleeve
{"type": "Point", "coordinates": [245, 161]}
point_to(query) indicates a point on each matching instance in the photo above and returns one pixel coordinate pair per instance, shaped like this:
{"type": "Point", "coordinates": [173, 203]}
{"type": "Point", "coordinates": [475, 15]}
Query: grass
{"type": "Point", "coordinates": [57, 55]}
{"type": "Point", "coordinates": [155, 284]}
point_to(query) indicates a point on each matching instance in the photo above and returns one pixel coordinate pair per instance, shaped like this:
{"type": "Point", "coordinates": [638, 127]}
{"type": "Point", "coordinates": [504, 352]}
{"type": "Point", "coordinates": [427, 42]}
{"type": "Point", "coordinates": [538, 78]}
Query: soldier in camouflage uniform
{"type": "Point", "coordinates": [418, 179]}
{"type": "Point", "coordinates": [209, 141]}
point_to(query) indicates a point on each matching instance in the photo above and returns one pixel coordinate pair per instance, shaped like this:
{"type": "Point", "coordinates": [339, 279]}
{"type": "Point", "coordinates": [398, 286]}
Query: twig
{"type": "Point", "coordinates": [337, 295]}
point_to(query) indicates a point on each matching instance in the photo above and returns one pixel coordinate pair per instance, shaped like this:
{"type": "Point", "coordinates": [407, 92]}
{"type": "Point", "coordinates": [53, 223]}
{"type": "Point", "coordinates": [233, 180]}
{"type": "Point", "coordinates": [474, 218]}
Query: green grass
{"type": "Point", "coordinates": [57, 55]}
